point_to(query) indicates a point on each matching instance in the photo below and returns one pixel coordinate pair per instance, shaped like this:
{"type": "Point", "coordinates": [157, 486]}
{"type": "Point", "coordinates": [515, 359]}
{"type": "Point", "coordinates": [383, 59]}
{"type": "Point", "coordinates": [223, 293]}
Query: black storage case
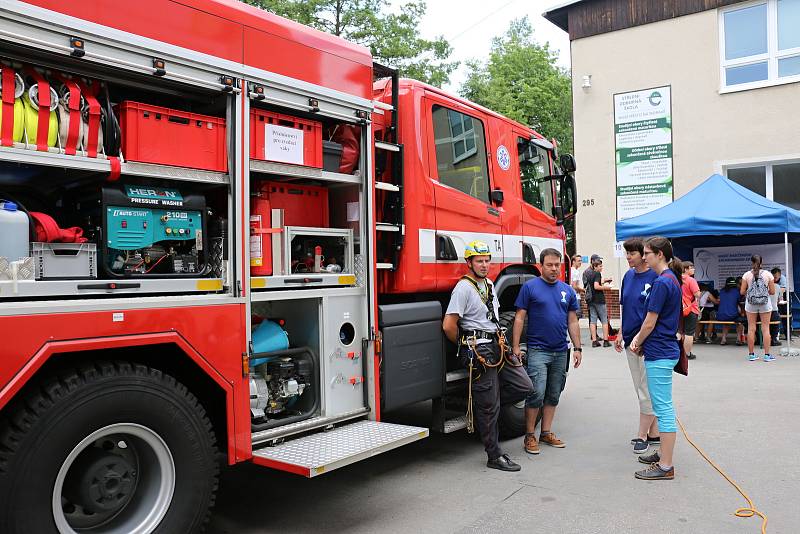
{"type": "Point", "coordinates": [413, 353]}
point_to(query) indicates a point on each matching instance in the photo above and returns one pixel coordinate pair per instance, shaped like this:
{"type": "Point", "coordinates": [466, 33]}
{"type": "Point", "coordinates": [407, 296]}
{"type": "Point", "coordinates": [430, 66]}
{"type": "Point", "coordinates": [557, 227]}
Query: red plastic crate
{"type": "Point", "coordinates": [302, 205]}
{"type": "Point", "coordinates": [154, 134]}
{"type": "Point", "coordinates": [312, 138]}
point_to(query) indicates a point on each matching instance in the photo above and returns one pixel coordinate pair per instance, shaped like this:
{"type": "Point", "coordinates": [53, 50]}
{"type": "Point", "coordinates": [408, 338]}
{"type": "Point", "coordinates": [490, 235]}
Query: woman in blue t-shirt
{"type": "Point", "coordinates": [657, 341]}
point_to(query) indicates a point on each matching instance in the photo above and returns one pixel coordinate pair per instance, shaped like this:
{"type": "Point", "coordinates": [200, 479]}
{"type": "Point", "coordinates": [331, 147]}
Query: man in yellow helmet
{"type": "Point", "coordinates": [471, 323]}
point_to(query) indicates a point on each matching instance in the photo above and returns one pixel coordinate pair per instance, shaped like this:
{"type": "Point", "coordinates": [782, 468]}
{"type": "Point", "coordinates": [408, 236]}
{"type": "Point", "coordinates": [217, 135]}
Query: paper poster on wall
{"type": "Point", "coordinates": [643, 144]}
{"type": "Point", "coordinates": [284, 144]}
{"type": "Point", "coordinates": [715, 264]}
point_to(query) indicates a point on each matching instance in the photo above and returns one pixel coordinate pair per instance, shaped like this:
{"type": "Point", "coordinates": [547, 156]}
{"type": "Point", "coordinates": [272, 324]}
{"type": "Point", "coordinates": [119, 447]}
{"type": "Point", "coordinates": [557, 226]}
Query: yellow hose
{"type": "Point", "coordinates": [750, 510]}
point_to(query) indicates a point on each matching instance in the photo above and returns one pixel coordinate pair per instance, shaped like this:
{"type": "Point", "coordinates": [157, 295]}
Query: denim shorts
{"type": "Point", "coordinates": [548, 372]}
{"type": "Point", "coordinates": [597, 312]}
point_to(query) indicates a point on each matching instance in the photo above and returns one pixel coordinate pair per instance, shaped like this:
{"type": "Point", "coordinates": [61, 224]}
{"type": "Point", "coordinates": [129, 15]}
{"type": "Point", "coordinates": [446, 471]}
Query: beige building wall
{"type": "Point", "coordinates": [709, 129]}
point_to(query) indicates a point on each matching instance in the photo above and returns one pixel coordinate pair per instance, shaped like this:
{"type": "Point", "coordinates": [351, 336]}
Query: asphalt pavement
{"type": "Point", "coordinates": [743, 414]}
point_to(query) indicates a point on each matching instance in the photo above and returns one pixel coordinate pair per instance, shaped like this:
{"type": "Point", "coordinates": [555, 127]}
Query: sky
{"type": "Point", "coordinates": [470, 25]}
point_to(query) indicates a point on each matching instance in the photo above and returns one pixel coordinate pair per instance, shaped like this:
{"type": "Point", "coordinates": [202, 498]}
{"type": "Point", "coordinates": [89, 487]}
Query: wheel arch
{"type": "Point", "coordinates": [510, 281]}
{"type": "Point", "coordinates": [168, 352]}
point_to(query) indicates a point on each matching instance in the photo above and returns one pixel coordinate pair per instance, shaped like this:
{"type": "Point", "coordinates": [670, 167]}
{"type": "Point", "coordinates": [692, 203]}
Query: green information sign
{"type": "Point", "coordinates": [643, 144]}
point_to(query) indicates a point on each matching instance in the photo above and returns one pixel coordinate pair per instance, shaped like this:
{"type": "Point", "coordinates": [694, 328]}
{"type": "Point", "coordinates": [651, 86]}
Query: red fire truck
{"type": "Point", "coordinates": [220, 235]}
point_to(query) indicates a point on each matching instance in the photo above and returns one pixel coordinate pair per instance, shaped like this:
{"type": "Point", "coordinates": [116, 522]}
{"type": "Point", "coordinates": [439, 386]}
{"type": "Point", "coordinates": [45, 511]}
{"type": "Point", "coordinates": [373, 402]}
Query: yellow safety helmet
{"type": "Point", "coordinates": [477, 248]}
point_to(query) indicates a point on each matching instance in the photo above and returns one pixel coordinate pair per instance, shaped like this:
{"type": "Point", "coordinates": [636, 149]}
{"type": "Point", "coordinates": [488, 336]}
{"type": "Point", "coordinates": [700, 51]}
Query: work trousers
{"type": "Point", "coordinates": [492, 388]}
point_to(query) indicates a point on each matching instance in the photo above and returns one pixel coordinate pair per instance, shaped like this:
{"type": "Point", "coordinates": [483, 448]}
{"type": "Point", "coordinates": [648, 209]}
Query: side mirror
{"type": "Point", "coordinates": [497, 196]}
{"type": "Point", "coordinates": [558, 213]}
{"type": "Point", "coordinates": [567, 163]}
{"type": "Point", "coordinates": [568, 201]}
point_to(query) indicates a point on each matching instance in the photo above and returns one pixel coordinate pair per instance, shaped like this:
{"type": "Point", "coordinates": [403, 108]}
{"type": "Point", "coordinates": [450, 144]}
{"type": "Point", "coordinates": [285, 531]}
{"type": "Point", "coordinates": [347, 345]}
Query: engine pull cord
{"type": "Point", "coordinates": [748, 511]}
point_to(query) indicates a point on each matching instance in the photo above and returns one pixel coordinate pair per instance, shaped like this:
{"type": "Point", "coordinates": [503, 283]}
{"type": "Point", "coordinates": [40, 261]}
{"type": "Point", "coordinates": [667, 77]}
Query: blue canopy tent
{"type": "Point", "coordinates": [721, 208]}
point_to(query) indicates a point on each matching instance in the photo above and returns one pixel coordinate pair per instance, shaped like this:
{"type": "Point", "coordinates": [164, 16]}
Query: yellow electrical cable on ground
{"type": "Point", "coordinates": [751, 510]}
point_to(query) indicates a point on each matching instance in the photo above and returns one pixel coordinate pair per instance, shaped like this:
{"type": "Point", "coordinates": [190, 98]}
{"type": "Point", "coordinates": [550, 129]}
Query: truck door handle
{"type": "Point", "coordinates": [493, 211]}
{"type": "Point", "coordinates": [445, 249]}
{"type": "Point", "coordinates": [528, 257]}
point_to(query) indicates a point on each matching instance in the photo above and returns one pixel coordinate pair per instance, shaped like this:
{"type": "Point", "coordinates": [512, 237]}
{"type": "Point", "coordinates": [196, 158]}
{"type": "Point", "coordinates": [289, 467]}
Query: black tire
{"type": "Point", "coordinates": [119, 412]}
{"type": "Point", "coordinates": [511, 421]}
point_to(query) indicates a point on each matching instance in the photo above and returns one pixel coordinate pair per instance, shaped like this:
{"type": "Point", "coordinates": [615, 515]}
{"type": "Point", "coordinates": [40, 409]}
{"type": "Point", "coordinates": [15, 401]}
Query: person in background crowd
{"type": "Point", "coordinates": [633, 293]}
{"type": "Point", "coordinates": [691, 294]}
{"type": "Point", "coordinates": [575, 281]}
{"type": "Point", "coordinates": [470, 322]}
{"type": "Point", "coordinates": [757, 286]}
{"type": "Point", "coordinates": [550, 306]}
{"type": "Point", "coordinates": [596, 300]}
{"type": "Point", "coordinates": [728, 310]}
{"type": "Point", "coordinates": [709, 300]}
{"type": "Point", "coordinates": [657, 343]}
{"type": "Point", "coordinates": [778, 301]}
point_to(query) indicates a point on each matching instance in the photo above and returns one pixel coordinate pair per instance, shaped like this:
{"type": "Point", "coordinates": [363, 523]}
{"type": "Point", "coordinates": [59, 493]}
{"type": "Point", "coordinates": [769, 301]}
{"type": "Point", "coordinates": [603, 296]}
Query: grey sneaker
{"type": "Point", "coordinates": [651, 458]}
{"type": "Point", "coordinates": [655, 472]}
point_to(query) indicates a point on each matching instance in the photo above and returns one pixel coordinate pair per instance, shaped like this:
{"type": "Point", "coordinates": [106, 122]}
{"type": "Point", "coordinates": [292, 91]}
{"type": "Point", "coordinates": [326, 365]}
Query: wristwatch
{"type": "Point", "coordinates": [578, 349]}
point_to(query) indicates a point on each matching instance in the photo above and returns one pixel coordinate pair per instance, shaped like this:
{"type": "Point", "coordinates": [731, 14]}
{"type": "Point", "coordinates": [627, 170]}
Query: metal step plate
{"type": "Point", "coordinates": [454, 424]}
{"type": "Point", "coordinates": [319, 453]}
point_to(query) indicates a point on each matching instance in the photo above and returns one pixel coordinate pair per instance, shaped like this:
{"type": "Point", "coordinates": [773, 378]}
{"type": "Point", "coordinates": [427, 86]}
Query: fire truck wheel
{"type": "Point", "coordinates": [109, 447]}
{"type": "Point", "coordinates": [512, 415]}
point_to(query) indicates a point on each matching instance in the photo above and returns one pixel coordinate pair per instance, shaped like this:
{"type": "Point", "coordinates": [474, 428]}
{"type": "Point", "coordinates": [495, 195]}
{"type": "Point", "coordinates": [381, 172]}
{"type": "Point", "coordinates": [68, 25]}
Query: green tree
{"type": "Point", "coordinates": [393, 38]}
{"type": "Point", "coordinates": [521, 80]}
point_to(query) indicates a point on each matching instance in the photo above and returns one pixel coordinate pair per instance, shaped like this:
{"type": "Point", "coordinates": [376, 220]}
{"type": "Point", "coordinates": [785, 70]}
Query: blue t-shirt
{"type": "Point", "coordinates": [634, 291]}
{"type": "Point", "coordinates": [665, 300]}
{"type": "Point", "coordinates": [727, 310]}
{"type": "Point", "coordinates": [548, 307]}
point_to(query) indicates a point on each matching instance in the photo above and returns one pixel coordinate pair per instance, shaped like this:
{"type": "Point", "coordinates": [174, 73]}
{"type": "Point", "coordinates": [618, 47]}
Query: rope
{"type": "Point", "coordinates": [750, 510]}
{"type": "Point", "coordinates": [470, 423]}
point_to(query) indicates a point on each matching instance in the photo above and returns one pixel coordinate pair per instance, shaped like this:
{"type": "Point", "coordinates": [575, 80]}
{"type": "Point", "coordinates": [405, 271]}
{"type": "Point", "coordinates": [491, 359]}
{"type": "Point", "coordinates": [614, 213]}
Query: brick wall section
{"type": "Point", "coordinates": [612, 304]}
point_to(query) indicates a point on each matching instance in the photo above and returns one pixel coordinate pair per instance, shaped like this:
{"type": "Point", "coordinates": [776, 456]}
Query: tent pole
{"type": "Point", "coordinates": [788, 300]}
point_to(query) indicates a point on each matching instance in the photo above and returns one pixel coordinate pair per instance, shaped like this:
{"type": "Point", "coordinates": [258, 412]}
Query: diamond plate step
{"type": "Point", "coordinates": [454, 424]}
{"type": "Point", "coordinates": [319, 453]}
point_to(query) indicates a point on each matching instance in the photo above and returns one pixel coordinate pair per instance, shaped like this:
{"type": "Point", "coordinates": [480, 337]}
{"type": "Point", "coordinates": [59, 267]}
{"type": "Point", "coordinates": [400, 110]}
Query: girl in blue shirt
{"type": "Point", "coordinates": [657, 341]}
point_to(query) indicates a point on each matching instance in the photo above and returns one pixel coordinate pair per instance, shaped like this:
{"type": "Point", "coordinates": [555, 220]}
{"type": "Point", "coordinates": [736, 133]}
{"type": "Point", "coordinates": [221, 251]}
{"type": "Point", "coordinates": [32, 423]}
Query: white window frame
{"type": "Point", "coordinates": [768, 163]}
{"type": "Point", "coordinates": [771, 57]}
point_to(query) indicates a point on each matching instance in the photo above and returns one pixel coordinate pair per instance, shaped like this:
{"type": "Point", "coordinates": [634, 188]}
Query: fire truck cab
{"type": "Point", "coordinates": [450, 172]}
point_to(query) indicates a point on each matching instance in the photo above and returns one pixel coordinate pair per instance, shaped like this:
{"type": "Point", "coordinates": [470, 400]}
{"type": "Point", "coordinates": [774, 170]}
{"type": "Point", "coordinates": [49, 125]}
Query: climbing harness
{"type": "Point", "coordinates": [471, 342]}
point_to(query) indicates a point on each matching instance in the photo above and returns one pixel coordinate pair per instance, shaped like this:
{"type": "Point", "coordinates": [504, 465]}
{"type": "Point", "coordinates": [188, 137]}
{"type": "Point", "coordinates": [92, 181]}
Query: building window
{"type": "Point", "coordinates": [463, 135]}
{"type": "Point", "coordinates": [760, 43]}
{"type": "Point", "coordinates": [779, 181]}
{"type": "Point", "coordinates": [461, 152]}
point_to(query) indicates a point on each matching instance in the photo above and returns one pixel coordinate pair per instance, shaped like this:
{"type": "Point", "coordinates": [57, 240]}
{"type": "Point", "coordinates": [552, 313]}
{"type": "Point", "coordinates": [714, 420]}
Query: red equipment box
{"type": "Point", "coordinates": [302, 205]}
{"type": "Point", "coordinates": [153, 134]}
{"type": "Point", "coordinates": [273, 137]}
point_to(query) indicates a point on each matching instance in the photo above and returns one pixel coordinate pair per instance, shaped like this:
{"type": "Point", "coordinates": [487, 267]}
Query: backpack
{"type": "Point", "coordinates": [588, 284]}
{"type": "Point", "coordinates": [758, 292]}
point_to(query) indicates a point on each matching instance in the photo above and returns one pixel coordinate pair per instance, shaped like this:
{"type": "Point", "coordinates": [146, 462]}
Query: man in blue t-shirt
{"type": "Point", "coordinates": [633, 293]}
{"type": "Point", "coordinates": [551, 308]}
{"type": "Point", "coordinates": [729, 310]}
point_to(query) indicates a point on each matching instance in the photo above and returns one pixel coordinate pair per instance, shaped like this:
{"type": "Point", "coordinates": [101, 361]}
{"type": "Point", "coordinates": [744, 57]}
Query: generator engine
{"type": "Point", "coordinates": [275, 386]}
{"type": "Point", "coordinates": [153, 231]}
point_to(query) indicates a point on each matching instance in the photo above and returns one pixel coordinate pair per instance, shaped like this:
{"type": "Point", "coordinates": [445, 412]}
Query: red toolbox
{"type": "Point", "coordinates": [286, 139]}
{"type": "Point", "coordinates": [302, 205]}
{"type": "Point", "coordinates": [153, 134]}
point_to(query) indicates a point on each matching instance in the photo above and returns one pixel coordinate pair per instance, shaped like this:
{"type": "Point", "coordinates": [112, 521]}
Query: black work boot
{"type": "Point", "coordinates": [503, 463]}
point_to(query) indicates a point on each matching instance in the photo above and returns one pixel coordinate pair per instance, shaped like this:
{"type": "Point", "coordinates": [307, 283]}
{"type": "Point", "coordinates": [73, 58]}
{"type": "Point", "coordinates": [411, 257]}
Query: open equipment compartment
{"type": "Point", "coordinates": [305, 198]}
{"type": "Point", "coordinates": [117, 202]}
